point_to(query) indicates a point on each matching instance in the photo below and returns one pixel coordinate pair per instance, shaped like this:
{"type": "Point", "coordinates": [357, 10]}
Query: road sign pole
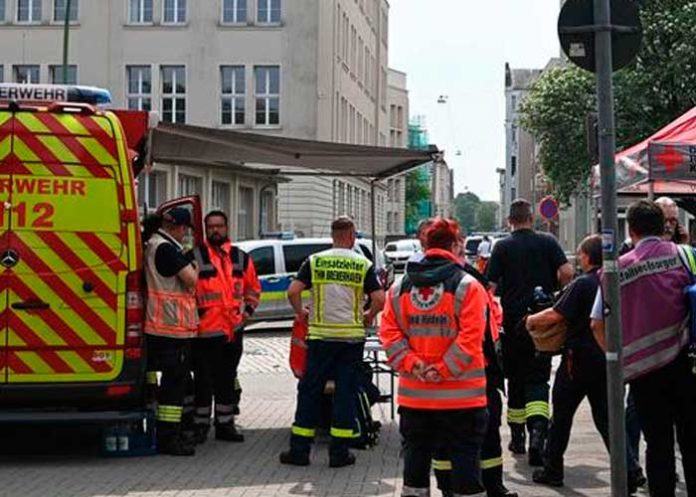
{"type": "Point", "coordinates": [607, 150]}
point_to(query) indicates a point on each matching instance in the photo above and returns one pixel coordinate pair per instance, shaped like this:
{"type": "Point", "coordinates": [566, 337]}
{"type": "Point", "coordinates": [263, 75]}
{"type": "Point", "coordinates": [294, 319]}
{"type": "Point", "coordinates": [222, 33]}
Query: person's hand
{"type": "Point", "coordinates": [368, 318]}
{"type": "Point", "coordinates": [431, 375]}
{"type": "Point", "coordinates": [418, 370]}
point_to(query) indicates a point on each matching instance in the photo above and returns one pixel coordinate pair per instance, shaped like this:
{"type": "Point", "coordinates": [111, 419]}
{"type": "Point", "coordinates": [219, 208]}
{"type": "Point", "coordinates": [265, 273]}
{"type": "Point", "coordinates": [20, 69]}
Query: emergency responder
{"type": "Point", "coordinates": [433, 332]}
{"type": "Point", "coordinates": [655, 355]}
{"type": "Point", "coordinates": [227, 293]}
{"type": "Point", "coordinates": [520, 263]}
{"type": "Point", "coordinates": [582, 372]}
{"type": "Point", "coordinates": [339, 279]}
{"type": "Point", "coordinates": [423, 226]}
{"type": "Point", "coordinates": [491, 451]}
{"type": "Point", "coordinates": [171, 321]}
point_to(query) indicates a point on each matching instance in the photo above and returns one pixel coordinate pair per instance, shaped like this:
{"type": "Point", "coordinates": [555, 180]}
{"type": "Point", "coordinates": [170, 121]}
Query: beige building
{"type": "Point", "coordinates": [397, 96]}
{"type": "Point", "coordinates": [442, 181]}
{"type": "Point", "coordinates": [307, 69]}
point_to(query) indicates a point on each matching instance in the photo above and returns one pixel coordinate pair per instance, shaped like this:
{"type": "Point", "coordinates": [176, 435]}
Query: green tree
{"type": "Point", "coordinates": [466, 207]}
{"type": "Point", "coordinates": [417, 198]}
{"type": "Point", "coordinates": [487, 216]}
{"type": "Point", "coordinates": [657, 88]}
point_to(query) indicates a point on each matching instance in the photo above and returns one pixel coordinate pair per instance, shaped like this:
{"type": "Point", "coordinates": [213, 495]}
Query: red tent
{"type": "Point", "coordinates": [673, 152]}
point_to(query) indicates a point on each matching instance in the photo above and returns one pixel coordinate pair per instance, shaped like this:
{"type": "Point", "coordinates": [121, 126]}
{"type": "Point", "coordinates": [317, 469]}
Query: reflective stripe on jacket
{"type": "Point", "coordinates": [338, 281]}
{"type": "Point", "coordinates": [653, 277]}
{"type": "Point", "coordinates": [225, 291]}
{"type": "Point", "coordinates": [443, 326]}
{"type": "Point", "coordinates": [171, 307]}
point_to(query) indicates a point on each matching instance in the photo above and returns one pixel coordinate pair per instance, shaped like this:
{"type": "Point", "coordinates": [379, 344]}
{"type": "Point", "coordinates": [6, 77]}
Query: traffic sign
{"type": "Point", "coordinates": [548, 208]}
{"type": "Point", "coordinates": [576, 31]}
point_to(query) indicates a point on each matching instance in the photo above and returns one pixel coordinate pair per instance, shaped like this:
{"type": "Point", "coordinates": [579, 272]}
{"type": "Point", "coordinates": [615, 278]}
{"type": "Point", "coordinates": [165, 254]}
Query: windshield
{"type": "Point", "coordinates": [403, 246]}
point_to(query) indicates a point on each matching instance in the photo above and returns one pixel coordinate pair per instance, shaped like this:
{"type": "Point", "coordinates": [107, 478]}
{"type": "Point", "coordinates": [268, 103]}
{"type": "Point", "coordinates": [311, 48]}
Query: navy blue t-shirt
{"type": "Point", "coordinates": [575, 305]}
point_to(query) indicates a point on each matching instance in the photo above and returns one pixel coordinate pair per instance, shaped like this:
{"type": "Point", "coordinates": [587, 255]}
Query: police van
{"type": "Point", "coordinates": [277, 262]}
{"type": "Point", "coordinates": [71, 308]}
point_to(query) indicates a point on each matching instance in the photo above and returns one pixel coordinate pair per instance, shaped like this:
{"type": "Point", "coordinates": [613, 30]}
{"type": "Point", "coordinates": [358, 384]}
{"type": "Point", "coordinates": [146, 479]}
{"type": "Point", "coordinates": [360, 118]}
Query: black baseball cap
{"type": "Point", "coordinates": [178, 216]}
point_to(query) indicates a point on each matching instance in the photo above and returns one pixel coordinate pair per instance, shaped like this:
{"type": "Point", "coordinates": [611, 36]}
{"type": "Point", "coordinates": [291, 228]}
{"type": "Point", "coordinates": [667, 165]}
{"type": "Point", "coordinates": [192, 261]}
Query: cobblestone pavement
{"type": "Point", "coordinates": [251, 469]}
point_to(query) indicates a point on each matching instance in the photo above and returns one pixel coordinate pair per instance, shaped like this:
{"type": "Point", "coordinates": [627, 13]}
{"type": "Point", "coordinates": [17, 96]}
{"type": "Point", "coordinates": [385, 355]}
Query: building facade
{"type": "Point", "coordinates": [298, 68]}
{"type": "Point", "coordinates": [397, 98]}
{"type": "Point", "coordinates": [442, 181]}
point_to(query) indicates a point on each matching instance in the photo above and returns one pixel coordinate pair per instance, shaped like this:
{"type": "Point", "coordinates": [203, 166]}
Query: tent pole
{"type": "Point", "coordinates": [651, 190]}
{"type": "Point", "coordinates": [373, 223]}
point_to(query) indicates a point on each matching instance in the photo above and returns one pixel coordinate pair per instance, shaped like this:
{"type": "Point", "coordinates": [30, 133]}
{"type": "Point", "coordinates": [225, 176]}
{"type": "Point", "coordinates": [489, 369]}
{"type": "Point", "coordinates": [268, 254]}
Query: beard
{"type": "Point", "coordinates": [216, 239]}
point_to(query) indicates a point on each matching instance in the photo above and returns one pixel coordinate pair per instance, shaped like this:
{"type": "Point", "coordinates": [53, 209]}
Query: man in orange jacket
{"type": "Point", "coordinates": [228, 292]}
{"type": "Point", "coordinates": [433, 333]}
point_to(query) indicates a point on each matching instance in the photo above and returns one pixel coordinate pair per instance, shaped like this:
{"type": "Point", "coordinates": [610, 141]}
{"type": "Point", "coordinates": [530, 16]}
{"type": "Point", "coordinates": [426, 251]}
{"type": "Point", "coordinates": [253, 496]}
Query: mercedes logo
{"type": "Point", "coordinates": [9, 258]}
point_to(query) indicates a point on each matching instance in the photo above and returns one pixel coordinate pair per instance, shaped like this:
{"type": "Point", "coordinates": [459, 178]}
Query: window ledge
{"type": "Point", "coordinates": [31, 23]}
{"type": "Point", "coordinates": [267, 126]}
{"type": "Point", "coordinates": [175, 24]}
{"type": "Point", "coordinates": [60, 24]}
{"type": "Point", "coordinates": [138, 24]}
{"type": "Point", "coordinates": [268, 24]}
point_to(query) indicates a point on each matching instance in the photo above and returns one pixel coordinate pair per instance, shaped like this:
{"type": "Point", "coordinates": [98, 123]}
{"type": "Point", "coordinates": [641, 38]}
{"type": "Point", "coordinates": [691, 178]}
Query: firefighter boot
{"type": "Point", "coordinates": [170, 440]}
{"type": "Point", "coordinates": [200, 433]}
{"type": "Point", "coordinates": [228, 432]}
{"type": "Point", "coordinates": [517, 439]}
{"type": "Point", "coordinates": [294, 458]}
{"type": "Point", "coordinates": [338, 461]}
{"type": "Point", "coordinates": [548, 477]}
{"type": "Point", "coordinates": [537, 442]}
{"type": "Point", "coordinates": [493, 481]}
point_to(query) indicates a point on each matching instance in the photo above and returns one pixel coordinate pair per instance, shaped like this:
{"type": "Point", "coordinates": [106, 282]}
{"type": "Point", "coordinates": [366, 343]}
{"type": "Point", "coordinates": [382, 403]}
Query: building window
{"type": "Point", "coordinates": [59, 10]}
{"type": "Point", "coordinates": [234, 11]}
{"type": "Point", "coordinates": [2, 11]}
{"type": "Point", "coordinates": [220, 196]}
{"type": "Point", "coordinates": [397, 191]}
{"type": "Point", "coordinates": [139, 93]}
{"type": "Point", "coordinates": [189, 185]}
{"type": "Point", "coordinates": [56, 74]}
{"type": "Point", "coordinates": [152, 189]}
{"type": "Point", "coordinates": [267, 211]}
{"type": "Point", "coordinates": [245, 222]}
{"type": "Point", "coordinates": [349, 195]}
{"type": "Point", "coordinates": [174, 94]}
{"type": "Point", "coordinates": [174, 11]}
{"type": "Point", "coordinates": [513, 103]}
{"type": "Point", "coordinates": [140, 11]}
{"type": "Point", "coordinates": [341, 206]}
{"type": "Point", "coordinates": [389, 222]}
{"type": "Point", "coordinates": [2, 73]}
{"type": "Point", "coordinates": [268, 12]}
{"type": "Point", "coordinates": [513, 166]}
{"type": "Point", "coordinates": [233, 94]}
{"type": "Point", "coordinates": [26, 74]}
{"type": "Point", "coordinates": [28, 10]}
{"type": "Point", "coordinates": [267, 95]}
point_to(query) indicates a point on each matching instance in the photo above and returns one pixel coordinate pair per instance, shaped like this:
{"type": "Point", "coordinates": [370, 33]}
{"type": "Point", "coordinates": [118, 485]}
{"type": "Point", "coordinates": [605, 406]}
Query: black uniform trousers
{"type": "Point", "coordinates": [326, 360]}
{"type": "Point", "coordinates": [214, 372]}
{"type": "Point", "coordinates": [582, 373]}
{"type": "Point", "coordinates": [454, 435]}
{"type": "Point", "coordinates": [666, 398]}
{"type": "Point", "coordinates": [171, 357]}
{"type": "Point", "coordinates": [528, 374]}
{"type": "Point", "coordinates": [491, 450]}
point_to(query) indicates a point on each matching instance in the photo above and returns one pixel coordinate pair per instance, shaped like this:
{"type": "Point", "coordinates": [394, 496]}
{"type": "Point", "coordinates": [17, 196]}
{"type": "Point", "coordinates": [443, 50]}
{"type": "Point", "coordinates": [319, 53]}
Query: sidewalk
{"type": "Point", "coordinates": [251, 469]}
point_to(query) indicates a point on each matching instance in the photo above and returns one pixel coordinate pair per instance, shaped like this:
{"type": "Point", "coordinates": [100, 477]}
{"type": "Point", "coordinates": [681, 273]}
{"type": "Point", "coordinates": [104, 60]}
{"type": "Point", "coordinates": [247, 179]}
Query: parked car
{"type": "Point", "coordinates": [277, 263]}
{"type": "Point", "coordinates": [399, 252]}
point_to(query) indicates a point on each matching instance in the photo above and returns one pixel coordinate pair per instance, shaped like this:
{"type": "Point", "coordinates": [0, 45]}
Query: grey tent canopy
{"type": "Point", "coordinates": [195, 145]}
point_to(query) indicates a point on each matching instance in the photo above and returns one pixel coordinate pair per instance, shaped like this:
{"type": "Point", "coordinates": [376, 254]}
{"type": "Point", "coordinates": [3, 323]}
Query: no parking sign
{"type": "Point", "coordinates": [548, 208]}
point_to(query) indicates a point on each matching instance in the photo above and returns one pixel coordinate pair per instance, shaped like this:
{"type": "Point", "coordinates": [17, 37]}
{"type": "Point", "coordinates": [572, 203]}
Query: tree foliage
{"type": "Point", "coordinates": [487, 216]}
{"type": "Point", "coordinates": [656, 89]}
{"type": "Point", "coordinates": [473, 214]}
{"type": "Point", "coordinates": [417, 195]}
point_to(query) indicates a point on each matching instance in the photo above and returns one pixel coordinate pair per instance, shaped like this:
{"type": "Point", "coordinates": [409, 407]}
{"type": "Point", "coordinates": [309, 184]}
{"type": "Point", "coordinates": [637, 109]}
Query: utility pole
{"type": "Point", "coordinates": [612, 298]}
{"type": "Point", "coordinates": [66, 41]}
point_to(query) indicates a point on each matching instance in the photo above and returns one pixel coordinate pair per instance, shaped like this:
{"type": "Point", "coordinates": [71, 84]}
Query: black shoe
{"type": "Point", "coordinates": [447, 493]}
{"type": "Point", "coordinates": [175, 447]}
{"type": "Point", "coordinates": [517, 441]}
{"type": "Point", "coordinates": [545, 477]}
{"type": "Point", "coordinates": [294, 458]}
{"type": "Point", "coordinates": [536, 448]}
{"type": "Point", "coordinates": [200, 434]}
{"type": "Point", "coordinates": [339, 462]}
{"type": "Point", "coordinates": [228, 432]}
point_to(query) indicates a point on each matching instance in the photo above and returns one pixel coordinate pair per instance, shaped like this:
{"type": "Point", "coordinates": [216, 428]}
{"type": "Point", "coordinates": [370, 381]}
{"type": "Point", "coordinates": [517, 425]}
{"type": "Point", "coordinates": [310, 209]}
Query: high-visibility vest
{"type": "Point", "coordinates": [338, 279]}
{"type": "Point", "coordinates": [227, 284]}
{"type": "Point", "coordinates": [442, 325]}
{"type": "Point", "coordinates": [171, 307]}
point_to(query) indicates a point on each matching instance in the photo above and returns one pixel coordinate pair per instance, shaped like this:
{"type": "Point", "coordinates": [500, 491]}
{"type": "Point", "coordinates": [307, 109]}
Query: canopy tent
{"type": "Point", "coordinates": [194, 145]}
{"type": "Point", "coordinates": [662, 163]}
{"type": "Point", "coordinates": [186, 144]}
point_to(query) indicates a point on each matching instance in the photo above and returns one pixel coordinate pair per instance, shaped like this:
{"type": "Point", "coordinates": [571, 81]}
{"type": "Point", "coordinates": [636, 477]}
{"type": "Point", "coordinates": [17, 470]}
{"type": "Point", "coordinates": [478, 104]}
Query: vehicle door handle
{"type": "Point", "coordinates": [30, 305]}
{"type": "Point", "coordinates": [273, 280]}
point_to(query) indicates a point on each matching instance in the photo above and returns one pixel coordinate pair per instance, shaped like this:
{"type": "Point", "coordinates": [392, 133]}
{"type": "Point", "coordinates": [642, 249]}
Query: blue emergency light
{"type": "Point", "coordinates": [54, 93]}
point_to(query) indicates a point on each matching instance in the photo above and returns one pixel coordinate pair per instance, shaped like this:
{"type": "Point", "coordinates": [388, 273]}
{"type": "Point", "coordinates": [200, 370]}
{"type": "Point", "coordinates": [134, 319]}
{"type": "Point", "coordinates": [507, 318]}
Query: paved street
{"type": "Point", "coordinates": [251, 469]}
